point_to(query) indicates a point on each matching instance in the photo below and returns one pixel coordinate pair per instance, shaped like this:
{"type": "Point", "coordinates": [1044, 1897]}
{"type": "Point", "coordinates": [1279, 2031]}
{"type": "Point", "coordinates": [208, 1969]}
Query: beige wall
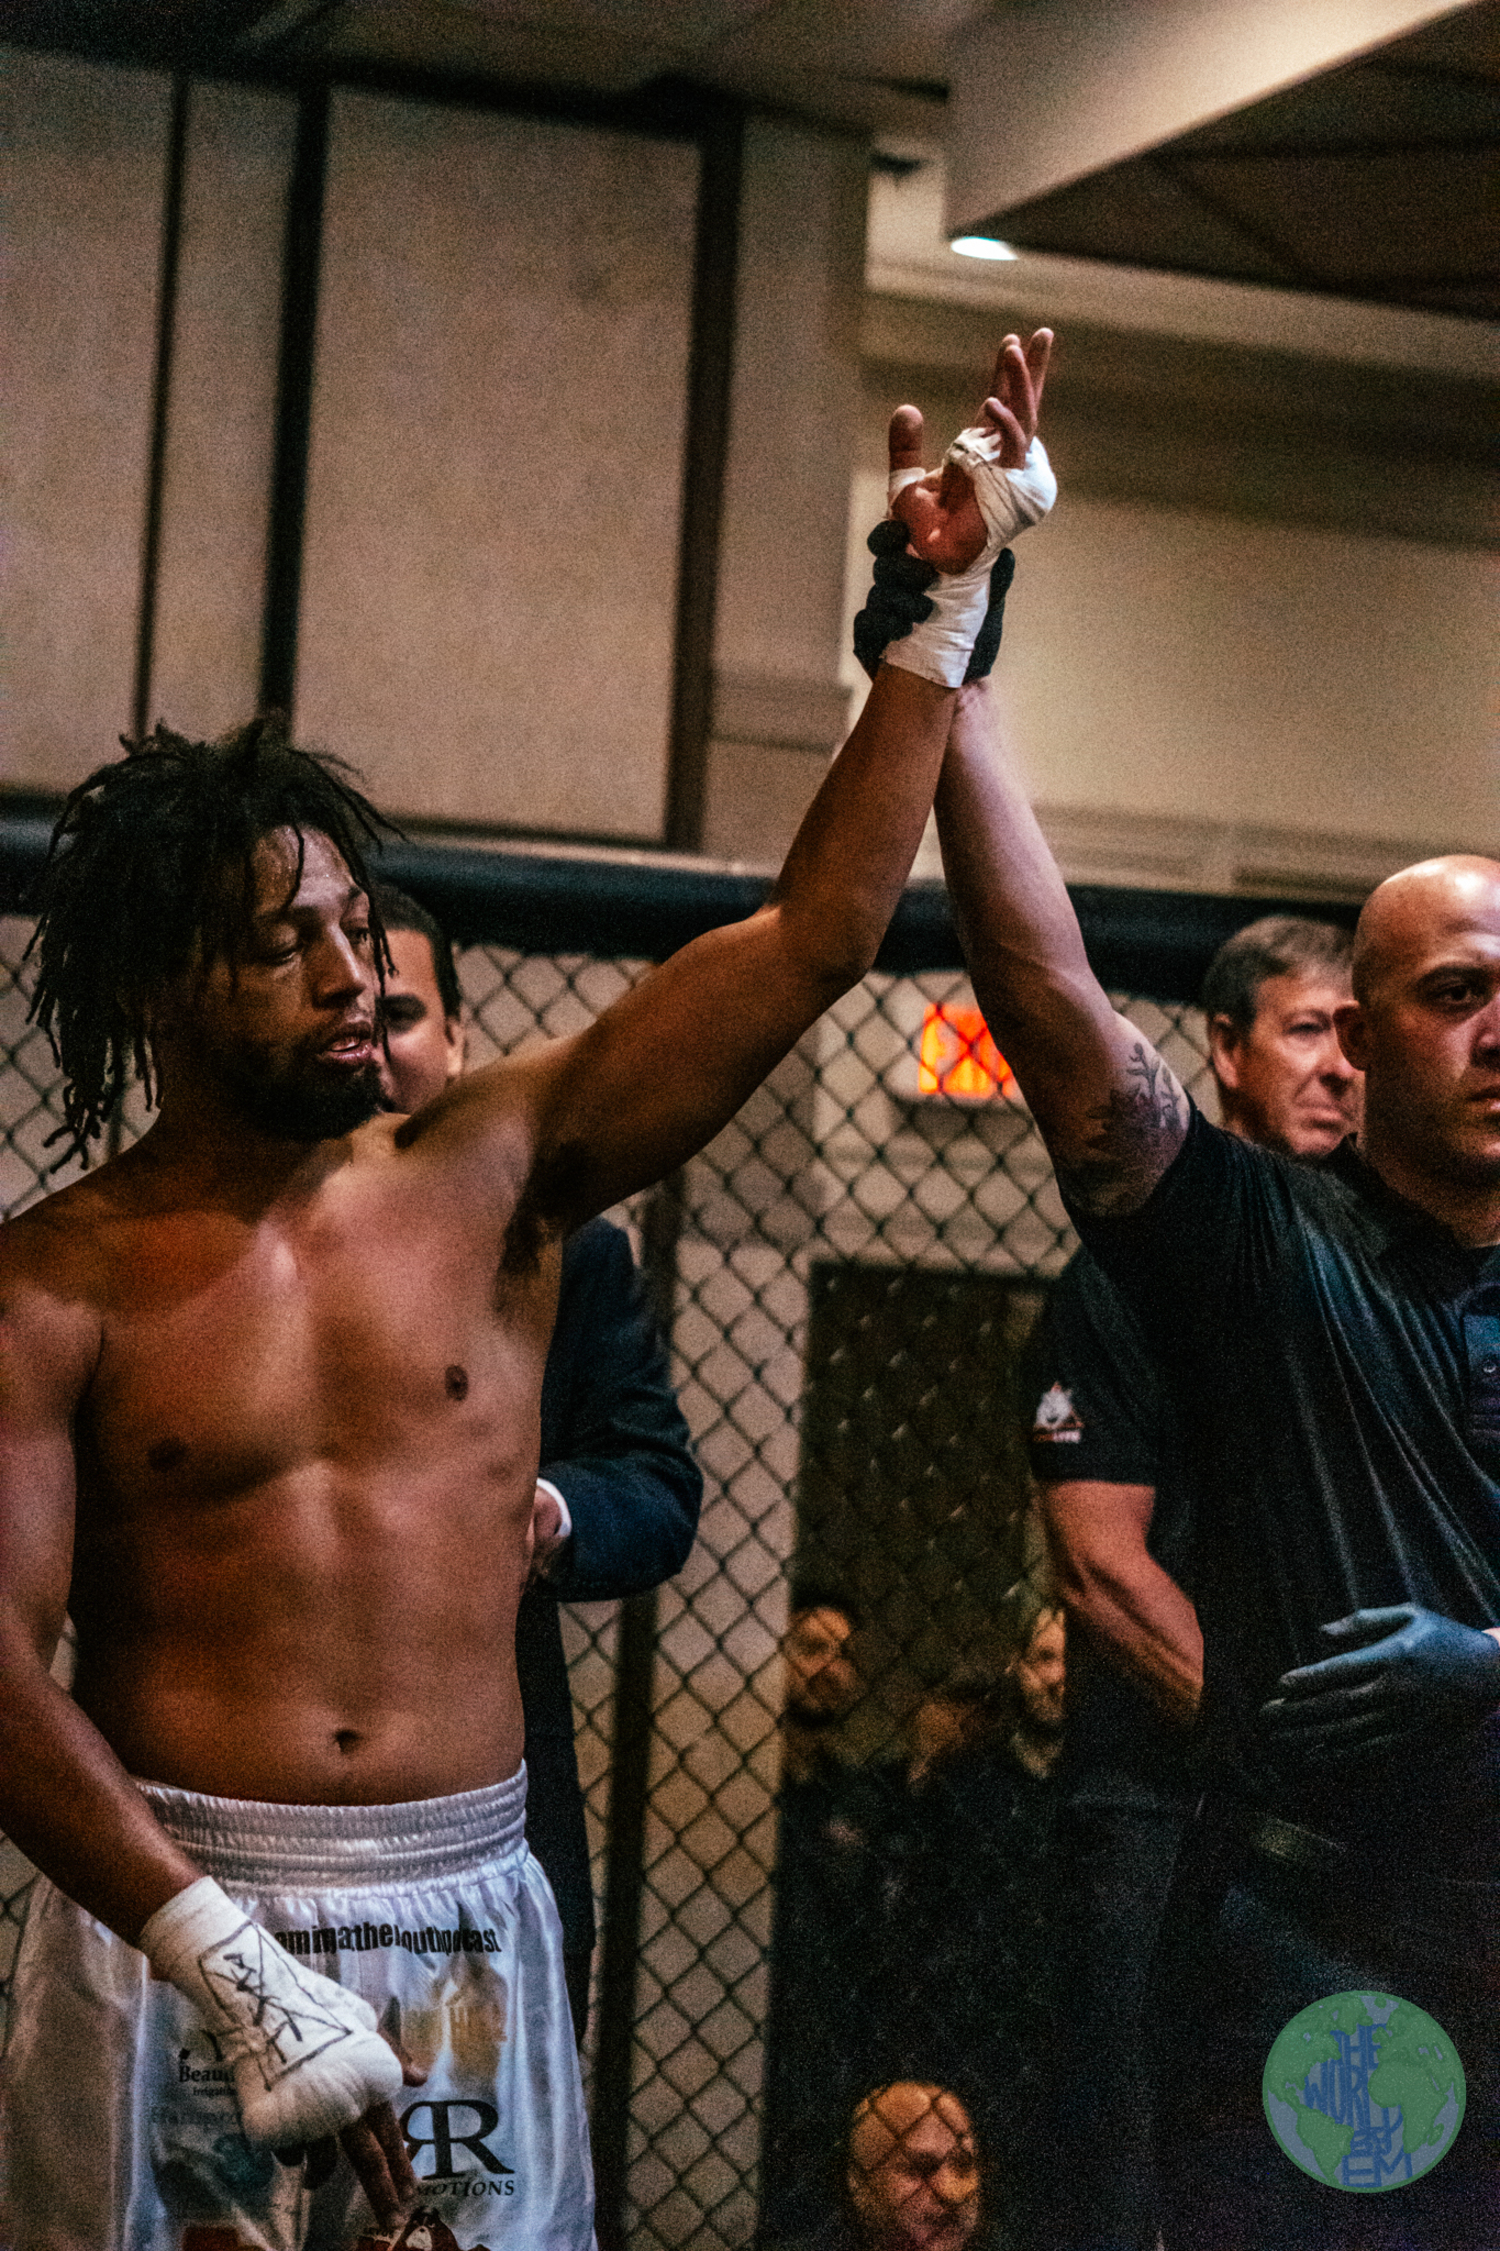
{"type": "Point", "coordinates": [1196, 700]}
{"type": "Point", "coordinates": [1231, 700]}
{"type": "Point", "coordinates": [1250, 651]}
{"type": "Point", "coordinates": [498, 431]}
{"type": "Point", "coordinates": [87, 158]}
{"type": "Point", "coordinates": [1277, 695]}
{"type": "Point", "coordinates": [1192, 666]}
{"type": "Point", "coordinates": [221, 428]}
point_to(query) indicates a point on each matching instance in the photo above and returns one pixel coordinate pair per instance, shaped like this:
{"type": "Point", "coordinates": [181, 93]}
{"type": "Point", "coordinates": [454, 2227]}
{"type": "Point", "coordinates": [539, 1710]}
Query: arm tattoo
{"type": "Point", "coordinates": [1129, 1140]}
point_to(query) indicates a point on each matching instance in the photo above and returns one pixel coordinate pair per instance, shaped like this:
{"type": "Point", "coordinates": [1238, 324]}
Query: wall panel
{"type": "Point", "coordinates": [221, 427]}
{"type": "Point", "coordinates": [88, 158]}
{"type": "Point", "coordinates": [1191, 665]}
{"type": "Point", "coordinates": [498, 420]}
{"type": "Point", "coordinates": [1218, 702]}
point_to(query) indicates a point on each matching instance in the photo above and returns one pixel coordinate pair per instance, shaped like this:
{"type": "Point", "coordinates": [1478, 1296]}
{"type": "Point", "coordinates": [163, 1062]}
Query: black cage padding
{"type": "Point", "coordinates": [1157, 943]}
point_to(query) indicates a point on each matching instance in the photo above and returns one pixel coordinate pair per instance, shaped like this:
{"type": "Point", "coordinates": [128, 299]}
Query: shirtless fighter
{"type": "Point", "coordinates": [1329, 1341]}
{"type": "Point", "coordinates": [270, 1384]}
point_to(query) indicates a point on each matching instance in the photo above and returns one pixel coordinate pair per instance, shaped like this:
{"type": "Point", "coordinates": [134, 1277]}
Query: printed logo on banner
{"type": "Point", "coordinates": [453, 2125]}
{"type": "Point", "coordinates": [200, 2065]}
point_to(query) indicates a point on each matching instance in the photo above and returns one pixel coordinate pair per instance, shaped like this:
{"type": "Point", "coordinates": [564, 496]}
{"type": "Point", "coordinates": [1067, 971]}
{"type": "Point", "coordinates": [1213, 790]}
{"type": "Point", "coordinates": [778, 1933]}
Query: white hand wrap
{"type": "Point", "coordinates": [897, 482]}
{"type": "Point", "coordinates": [305, 2054]}
{"type": "Point", "coordinates": [1010, 500]}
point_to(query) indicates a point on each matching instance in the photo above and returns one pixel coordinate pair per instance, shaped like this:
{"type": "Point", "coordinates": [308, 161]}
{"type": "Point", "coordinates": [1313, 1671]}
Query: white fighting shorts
{"type": "Point", "coordinates": [121, 2131]}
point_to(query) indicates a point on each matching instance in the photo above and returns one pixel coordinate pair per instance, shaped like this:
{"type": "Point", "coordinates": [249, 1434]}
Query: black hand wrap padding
{"type": "Point", "coordinates": [987, 640]}
{"type": "Point", "coordinates": [898, 600]}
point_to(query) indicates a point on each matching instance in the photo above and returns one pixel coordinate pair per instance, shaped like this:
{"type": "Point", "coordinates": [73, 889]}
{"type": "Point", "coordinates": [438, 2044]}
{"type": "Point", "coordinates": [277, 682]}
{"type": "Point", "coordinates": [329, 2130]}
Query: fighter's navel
{"type": "Point", "coordinates": [456, 1382]}
{"type": "Point", "coordinates": [166, 1455]}
{"type": "Point", "coordinates": [347, 1739]}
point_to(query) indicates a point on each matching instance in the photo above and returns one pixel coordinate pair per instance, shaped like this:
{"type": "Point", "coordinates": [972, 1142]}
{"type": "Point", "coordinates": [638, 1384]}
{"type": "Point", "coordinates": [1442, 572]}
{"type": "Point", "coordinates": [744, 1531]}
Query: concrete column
{"type": "Point", "coordinates": [210, 594]}
{"type": "Point", "coordinates": [779, 709]}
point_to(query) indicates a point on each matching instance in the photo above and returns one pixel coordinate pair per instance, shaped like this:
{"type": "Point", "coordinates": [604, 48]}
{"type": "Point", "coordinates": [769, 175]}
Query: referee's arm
{"type": "Point", "coordinates": [1133, 1609]}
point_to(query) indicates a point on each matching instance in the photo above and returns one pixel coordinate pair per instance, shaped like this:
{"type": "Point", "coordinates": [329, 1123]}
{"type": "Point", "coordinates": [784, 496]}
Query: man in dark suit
{"type": "Point", "coordinates": [618, 1488]}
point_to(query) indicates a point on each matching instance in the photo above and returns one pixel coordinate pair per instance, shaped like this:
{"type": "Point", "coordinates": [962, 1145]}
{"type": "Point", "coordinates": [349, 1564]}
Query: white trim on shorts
{"type": "Point", "coordinates": [343, 1847]}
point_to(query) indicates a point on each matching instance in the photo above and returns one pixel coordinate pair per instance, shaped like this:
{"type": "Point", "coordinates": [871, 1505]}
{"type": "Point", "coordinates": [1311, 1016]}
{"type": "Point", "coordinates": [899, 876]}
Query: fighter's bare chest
{"type": "Point", "coordinates": [233, 1352]}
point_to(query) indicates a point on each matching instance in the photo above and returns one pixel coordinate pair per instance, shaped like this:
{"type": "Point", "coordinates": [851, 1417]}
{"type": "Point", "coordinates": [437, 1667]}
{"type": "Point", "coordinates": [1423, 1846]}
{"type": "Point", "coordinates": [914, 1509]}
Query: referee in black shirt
{"type": "Point", "coordinates": [1330, 1342]}
{"type": "Point", "coordinates": [1117, 1503]}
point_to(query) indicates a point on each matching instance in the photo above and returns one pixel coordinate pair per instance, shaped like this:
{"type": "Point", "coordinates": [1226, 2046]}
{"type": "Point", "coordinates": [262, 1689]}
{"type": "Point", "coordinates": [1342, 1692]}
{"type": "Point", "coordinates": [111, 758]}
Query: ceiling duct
{"type": "Point", "coordinates": [1340, 149]}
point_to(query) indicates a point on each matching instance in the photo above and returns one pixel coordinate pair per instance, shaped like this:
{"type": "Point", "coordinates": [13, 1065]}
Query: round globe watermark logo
{"type": "Point", "coordinates": [1364, 2091]}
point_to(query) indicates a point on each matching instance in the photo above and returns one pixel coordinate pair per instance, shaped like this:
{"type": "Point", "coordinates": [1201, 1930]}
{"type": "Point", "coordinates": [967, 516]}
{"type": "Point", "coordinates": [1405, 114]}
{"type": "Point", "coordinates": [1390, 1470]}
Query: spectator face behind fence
{"type": "Point", "coordinates": [913, 2174]}
{"type": "Point", "coordinates": [1273, 996]}
{"type": "Point", "coordinates": [822, 1679]}
{"type": "Point", "coordinates": [1042, 1674]}
{"type": "Point", "coordinates": [424, 1046]}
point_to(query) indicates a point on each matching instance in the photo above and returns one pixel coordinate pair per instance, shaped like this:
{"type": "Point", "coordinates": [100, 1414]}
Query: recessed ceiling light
{"type": "Point", "coordinates": [981, 246]}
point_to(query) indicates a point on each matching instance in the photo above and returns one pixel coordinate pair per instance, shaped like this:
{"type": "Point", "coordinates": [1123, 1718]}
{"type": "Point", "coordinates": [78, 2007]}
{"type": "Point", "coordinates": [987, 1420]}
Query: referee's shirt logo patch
{"type": "Point", "coordinates": [1057, 1419]}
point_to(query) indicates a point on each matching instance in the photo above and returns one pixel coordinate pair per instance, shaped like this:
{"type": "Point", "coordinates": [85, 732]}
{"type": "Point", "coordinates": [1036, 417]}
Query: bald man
{"type": "Point", "coordinates": [912, 2179]}
{"type": "Point", "coordinates": [1329, 1339]}
{"type": "Point", "coordinates": [1330, 1344]}
{"type": "Point", "coordinates": [913, 2174]}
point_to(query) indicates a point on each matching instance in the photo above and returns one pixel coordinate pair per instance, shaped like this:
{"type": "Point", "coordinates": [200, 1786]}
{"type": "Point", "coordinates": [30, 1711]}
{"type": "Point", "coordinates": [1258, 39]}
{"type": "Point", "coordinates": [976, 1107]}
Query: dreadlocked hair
{"type": "Point", "coordinates": [151, 870]}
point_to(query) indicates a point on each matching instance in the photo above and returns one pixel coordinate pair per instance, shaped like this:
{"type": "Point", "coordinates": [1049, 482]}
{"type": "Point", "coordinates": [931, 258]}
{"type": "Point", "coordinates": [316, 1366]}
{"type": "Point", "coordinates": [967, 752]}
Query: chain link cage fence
{"type": "Point", "coordinates": [850, 1270]}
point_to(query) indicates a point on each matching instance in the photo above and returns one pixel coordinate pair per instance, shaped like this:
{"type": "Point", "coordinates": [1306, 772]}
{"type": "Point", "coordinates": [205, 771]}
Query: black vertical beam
{"type": "Point", "coordinates": [629, 1789]}
{"type": "Point", "coordinates": [294, 389]}
{"type": "Point", "coordinates": [161, 397]}
{"type": "Point", "coordinates": [710, 379]}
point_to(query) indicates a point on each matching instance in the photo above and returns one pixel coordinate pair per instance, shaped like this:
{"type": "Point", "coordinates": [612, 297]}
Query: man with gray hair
{"type": "Point", "coordinates": [1269, 997]}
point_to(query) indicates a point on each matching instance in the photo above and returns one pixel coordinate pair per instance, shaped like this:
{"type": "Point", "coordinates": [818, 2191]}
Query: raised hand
{"type": "Point", "coordinates": [1400, 1679]}
{"type": "Point", "coordinates": [944, 522]}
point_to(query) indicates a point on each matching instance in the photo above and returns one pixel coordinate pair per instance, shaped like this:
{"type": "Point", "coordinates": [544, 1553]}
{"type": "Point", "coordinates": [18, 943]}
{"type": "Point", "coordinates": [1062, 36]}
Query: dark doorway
{"type": "Point", "coordinates": [913, 1486]}
{"type": "Point", "coordinates": [913, 1522]}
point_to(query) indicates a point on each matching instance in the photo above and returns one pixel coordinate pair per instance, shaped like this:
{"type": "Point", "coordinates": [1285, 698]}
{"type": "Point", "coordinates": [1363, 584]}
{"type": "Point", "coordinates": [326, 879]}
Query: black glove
{"type": "Point", "coordinates": [897, 601]}
{"type": "Point", "coordinates": [1403, 1678]}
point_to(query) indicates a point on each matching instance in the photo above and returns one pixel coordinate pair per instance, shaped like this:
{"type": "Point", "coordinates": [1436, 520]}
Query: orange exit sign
{"type": "Point", "coordinates": [958, 1057]}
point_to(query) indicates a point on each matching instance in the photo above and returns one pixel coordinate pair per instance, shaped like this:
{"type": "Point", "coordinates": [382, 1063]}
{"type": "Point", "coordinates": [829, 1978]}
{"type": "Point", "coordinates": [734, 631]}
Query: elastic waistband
{"type": "Point", "coordinates": [345, 1847]}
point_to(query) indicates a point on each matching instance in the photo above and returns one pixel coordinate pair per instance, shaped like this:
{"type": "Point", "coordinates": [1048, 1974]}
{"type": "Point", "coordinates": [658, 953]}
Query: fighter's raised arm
{"type": "Point", "coordinates": [1110, 1111]}
{"type": "Point", "coordinates": [658, 1074]}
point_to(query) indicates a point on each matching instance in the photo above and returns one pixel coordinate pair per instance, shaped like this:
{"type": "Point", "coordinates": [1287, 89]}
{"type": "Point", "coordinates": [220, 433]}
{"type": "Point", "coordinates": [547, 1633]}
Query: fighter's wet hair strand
{"type": "Point", "coordinates": [151, 870]}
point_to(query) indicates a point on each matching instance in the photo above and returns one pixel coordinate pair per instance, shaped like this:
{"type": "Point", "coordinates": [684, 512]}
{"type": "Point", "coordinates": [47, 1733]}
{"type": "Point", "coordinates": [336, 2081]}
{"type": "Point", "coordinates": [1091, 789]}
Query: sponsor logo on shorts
{"type": "Point", "coordinates": [1057, 1419]}
{"type": "Point", "coordinates": [369, 1938]}
{"type": "Point", "coordinates": [191, 2074]}
{"type": "Point", "coordinates": [447, 2127]}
